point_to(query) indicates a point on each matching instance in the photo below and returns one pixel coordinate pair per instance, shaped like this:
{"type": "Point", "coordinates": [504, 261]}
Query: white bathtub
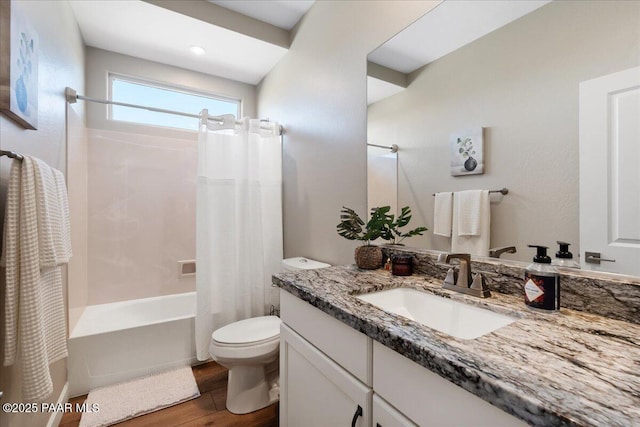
{"type": "Point", "coordinates": [120, 341]}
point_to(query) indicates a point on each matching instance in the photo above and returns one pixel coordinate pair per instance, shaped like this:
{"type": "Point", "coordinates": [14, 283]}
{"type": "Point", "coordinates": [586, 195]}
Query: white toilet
{"type": "Point", "coordinates": [249, 349]}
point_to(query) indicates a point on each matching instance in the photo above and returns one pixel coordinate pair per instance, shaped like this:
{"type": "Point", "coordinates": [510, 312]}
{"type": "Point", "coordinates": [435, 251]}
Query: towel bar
{"type": "Point", "coordinates": [502, 191]}
{"type": "Point", "coordinates": [11, 154]}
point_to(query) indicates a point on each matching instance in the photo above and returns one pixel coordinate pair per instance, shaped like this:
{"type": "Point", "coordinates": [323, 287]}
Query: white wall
{"type": "Point", "coordinates": [382, 179]}
{"type": "Point", "coordinates": [77, 180]}
{"type": "Point", "coordinates": [318, 91]}
{"type": "Point", "coordinates": [141, 208]}
{"type": "Point", "coordinates": [61, 64]}
{"type": "Point", "coordinates": [520, 83]}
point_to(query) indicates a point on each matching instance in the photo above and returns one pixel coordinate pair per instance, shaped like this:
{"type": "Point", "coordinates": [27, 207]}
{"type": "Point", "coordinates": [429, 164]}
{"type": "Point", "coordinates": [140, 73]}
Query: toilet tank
{"type": "Point", "coordinates": [301, 263]}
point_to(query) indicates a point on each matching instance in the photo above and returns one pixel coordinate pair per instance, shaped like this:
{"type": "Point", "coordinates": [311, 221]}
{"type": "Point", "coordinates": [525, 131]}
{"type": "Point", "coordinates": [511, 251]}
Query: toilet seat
{"type": "Point", "coordinates": [251, 331]}
{"type": "Point", "coordinates": [246, 340]}
{"type": "Point", "coordinates": [244, 344]}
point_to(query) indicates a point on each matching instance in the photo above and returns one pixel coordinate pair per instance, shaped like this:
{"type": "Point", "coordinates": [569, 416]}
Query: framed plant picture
{"type": "Point", "coordinates": [467, 152]}
{"type": "Point", "coordinates": [18, 66]}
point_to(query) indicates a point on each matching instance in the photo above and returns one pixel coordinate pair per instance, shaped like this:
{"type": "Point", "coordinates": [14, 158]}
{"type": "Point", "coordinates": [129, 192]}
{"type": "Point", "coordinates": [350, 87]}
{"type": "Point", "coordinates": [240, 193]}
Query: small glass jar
{"type": "Point", "coordinates": [401, 265]}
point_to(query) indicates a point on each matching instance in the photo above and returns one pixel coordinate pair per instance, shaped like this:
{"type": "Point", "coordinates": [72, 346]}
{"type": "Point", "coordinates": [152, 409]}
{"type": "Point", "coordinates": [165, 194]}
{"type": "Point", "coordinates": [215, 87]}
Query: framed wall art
{"type": "Point", "coordinates": [18, 66]}
{"type": "Point", "coordinates": [467, 152]}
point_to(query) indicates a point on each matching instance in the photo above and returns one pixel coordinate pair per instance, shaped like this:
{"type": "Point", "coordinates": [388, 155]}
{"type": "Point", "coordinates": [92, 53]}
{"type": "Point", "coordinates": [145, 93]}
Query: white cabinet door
{"type": "Point", "coordinates": [315, 391]}
{"type": "Point", "coordinates": [609, 172]}
{"type": "Point", "coordinates": [385, 415]}
{"type": "Point", "coordinates": [344, 345]}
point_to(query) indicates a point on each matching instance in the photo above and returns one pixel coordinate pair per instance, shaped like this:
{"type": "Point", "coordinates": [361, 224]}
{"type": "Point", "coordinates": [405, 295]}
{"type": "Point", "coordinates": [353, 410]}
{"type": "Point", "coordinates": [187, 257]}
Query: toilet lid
{"type": "Point", "coordinates": [249, 330]}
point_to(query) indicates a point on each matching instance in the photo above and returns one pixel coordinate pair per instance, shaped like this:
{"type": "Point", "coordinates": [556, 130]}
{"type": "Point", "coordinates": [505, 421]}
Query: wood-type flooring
{"type": "Point", "coordinates": [207, 410]}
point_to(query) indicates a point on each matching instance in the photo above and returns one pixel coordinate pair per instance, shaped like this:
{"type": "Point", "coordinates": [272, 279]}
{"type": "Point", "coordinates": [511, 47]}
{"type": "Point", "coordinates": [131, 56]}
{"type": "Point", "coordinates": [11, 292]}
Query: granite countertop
{"type": "Point", "coordinates": [549, 369]}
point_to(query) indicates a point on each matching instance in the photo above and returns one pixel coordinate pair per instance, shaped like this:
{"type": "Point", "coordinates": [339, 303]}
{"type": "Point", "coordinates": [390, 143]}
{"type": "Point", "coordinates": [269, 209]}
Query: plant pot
{"type": "Point", "coordinates": [368, 257]}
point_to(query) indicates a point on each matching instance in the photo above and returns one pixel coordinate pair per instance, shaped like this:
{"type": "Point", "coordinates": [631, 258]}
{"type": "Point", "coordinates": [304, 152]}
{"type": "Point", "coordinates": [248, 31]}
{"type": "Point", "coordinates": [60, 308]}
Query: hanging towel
{"type": "Point", "coordinates": [469, 212]}
{"type": "Point", "coordinates": [34, 306]}
{"type": "Point", "coordinates": [54, 238]}
{"type": "Point", "coordinates": [471, 222]}
{"type": "Point", "coordinates": [442, 212]}
{"type": "Point", "coordinates": [11, 261]}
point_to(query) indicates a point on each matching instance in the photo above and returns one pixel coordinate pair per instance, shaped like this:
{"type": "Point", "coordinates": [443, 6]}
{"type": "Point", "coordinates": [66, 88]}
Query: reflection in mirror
{"type": "Point", "coordinates": [382, 177]}
{"type": "Point", "coordinates": [518, 77]}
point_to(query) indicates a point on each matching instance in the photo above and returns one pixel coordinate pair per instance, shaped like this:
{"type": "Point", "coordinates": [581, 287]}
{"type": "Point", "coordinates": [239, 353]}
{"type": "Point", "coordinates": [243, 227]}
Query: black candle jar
{"type": "Point", "coordinates": [401, 265]}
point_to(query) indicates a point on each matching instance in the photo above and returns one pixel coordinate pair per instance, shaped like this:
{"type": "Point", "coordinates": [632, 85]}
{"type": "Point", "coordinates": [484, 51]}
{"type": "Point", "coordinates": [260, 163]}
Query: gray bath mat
{"type": "Point", "coordinates": [141, 396]}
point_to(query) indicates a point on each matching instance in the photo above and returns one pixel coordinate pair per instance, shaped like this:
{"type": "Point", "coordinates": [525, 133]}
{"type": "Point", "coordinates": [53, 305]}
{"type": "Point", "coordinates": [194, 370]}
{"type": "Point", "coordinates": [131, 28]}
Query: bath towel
{"type": "Point", "coordinates": [54, 237]}
{"type": "Point", "coordinates": [11, 261]}
{"type": "Point", "coordinates": [468, 212]}
{"type": "Point", "coordinates": [442, 213]}
{"type": "Point", "coordinates": [471, 222]}
{"type": "Point", "coordinates": [35, 325]}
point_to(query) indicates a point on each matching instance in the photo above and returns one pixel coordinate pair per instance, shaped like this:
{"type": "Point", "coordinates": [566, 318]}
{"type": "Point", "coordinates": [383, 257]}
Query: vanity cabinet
{"type": "Point", "coordinates": [328, 371]}
{"type": "Point", "coordinates": [325, 369]}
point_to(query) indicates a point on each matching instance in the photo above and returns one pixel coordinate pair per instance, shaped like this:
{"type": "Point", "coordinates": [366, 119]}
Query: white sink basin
{"type": "Point", "coordinates": [451, 317]}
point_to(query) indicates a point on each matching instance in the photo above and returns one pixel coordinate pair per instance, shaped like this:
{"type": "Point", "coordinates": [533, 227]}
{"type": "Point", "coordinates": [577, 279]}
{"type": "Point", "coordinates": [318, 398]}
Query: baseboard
{"type": "Point", "coordinates": [56, 417]}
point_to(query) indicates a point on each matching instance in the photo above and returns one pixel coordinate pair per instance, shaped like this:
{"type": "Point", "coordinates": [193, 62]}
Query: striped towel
{"type": "Point", "coordinates": [35, 246]}
{"type": "Point", "coordinates": [54, 237]}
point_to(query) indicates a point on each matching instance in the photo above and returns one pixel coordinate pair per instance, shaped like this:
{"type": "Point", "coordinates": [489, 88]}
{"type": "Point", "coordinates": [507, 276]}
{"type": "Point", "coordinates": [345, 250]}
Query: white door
{"type": "Point", "coordinates": [315, 391]}
{"type": "Point", "coordinates": [610, 172]}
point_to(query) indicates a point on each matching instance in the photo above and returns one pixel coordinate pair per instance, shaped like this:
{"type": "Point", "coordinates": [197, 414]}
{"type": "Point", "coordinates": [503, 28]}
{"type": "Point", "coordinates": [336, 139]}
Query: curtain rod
{"type": "Point", "coordinates": [73, 97]}
{"type": "Point", "coordinates": [393, 148]}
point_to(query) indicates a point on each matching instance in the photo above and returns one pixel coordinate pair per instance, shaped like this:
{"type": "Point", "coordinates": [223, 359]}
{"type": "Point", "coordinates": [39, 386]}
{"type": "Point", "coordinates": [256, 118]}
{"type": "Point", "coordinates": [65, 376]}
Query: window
{"type": "Point", "coordinates": [157, 95]}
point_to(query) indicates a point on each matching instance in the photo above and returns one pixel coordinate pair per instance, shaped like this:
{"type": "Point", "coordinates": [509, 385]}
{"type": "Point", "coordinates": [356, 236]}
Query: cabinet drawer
{"type": "Point", "coordinates": [347, 347]}
{"type": "Point", "coordinates": [427, 398]}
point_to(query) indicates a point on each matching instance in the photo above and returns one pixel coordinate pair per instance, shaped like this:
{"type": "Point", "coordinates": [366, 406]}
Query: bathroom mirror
{"type": "Point", "coordinates": [512, 69]}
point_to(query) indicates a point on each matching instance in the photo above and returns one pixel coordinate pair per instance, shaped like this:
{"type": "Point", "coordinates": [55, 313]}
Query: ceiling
{"type": "Point", "coordinates": [144, 30]}
{"type": "Point", "coordinates": [284, 14]}
{"type": "Point", "coordinates": [448, 27]}
{"type": "Point", "coordinates": [140, 29]}
{"type": "Point", "coordinates": [444, 29]}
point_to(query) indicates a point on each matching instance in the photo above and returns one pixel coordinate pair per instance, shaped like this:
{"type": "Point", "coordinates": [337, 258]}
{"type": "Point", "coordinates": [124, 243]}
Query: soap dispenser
{"type": "Point", "coordinates": [542, 282]}
{"type": "Point", "coordinates": [564, 258]}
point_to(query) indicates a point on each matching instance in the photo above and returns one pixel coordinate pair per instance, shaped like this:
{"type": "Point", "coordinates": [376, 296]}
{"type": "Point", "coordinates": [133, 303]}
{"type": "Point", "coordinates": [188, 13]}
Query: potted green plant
{"type": "Point", "coordinates": [391, 228]}
{"type": "Point", "coordinates": [352, 227]}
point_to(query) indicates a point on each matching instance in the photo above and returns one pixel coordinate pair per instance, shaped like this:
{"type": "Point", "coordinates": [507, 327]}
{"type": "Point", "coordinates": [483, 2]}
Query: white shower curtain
{"type": "Point", "coordinates": [238, 222]}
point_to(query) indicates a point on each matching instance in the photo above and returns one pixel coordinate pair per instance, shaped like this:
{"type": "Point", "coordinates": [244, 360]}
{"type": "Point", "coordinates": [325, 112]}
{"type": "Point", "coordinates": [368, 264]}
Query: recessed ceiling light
{"type": "Point", "coordinates": [197, 50]}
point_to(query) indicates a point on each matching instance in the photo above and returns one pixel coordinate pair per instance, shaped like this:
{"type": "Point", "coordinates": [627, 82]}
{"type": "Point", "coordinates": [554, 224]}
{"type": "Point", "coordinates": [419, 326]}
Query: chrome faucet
{"type": "Point", "coordinates": [496, 252]}
{"type": "Point", "coordinates": [461, 280]}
